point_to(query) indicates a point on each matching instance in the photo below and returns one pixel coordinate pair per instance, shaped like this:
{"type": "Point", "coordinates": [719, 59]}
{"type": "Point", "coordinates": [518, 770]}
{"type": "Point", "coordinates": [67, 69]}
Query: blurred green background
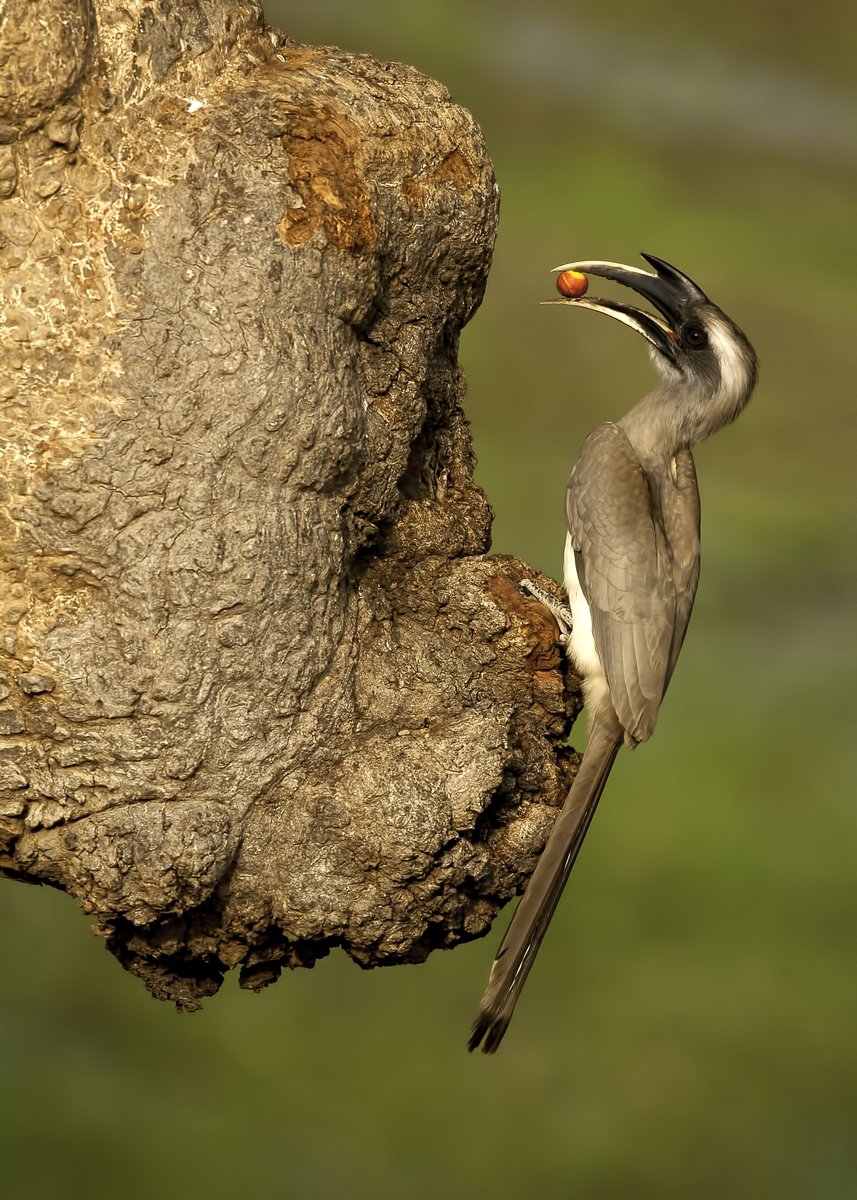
{"type": "Point", "coordinates": [691, 1027]}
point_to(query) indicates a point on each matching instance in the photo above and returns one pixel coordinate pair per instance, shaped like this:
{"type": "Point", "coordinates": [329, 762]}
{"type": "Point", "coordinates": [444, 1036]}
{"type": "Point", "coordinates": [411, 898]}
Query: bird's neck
{"type": "Point", "coordinates": [685, 409]}
{"type": "Point", "coordinates": [657, 428]}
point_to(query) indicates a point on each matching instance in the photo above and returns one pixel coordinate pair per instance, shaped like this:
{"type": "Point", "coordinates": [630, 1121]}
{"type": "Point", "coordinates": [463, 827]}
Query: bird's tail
{"type": "Point", "coordinates": [529, 924]}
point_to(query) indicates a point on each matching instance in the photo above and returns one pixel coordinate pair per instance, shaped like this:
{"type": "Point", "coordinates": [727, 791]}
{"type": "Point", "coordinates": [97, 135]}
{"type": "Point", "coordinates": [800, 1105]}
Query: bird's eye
{"type": "Point", "coordinates": [695, 337]}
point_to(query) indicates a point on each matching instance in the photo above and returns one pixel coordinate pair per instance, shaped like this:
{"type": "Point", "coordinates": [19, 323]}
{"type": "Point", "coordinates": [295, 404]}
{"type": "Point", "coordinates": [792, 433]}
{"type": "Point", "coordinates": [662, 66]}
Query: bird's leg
{"type": "Point", "coordinates": [562, 614]}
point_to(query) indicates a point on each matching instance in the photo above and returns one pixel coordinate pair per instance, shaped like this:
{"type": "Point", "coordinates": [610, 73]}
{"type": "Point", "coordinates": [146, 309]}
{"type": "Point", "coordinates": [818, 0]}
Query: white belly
{"type": "Point", "coordinates": [581, 644]}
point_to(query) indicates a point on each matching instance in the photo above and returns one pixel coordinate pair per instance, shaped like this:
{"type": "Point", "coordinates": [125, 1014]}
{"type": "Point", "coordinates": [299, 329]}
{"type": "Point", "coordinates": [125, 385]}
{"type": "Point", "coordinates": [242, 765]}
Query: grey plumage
{"type": "Point", "coordinates": [631, 568]}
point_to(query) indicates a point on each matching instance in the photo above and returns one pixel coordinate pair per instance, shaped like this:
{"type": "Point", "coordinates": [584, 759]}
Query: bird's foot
{"type": "Point", "coordinates": [562, 614]}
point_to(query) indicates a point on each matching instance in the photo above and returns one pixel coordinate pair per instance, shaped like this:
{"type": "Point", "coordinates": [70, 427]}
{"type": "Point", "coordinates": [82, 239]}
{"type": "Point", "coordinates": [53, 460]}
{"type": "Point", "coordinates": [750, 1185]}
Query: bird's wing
{"type": "Point", "coordinates": [624, 568]}
{"type": "Point", "coordinates": [681, 525]}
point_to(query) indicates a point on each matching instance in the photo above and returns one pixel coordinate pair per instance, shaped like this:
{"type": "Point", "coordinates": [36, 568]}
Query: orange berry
{"type": "Point", "coordinates": [572, 283]}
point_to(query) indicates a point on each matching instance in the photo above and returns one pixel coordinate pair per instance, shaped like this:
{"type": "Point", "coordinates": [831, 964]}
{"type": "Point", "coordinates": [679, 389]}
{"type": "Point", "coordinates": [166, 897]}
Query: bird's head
{"type": "Point", "coordinates": [692, 342]}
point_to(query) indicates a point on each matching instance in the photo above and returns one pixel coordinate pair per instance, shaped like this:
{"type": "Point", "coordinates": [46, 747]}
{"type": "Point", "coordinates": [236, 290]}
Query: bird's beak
{"type": "Point", "coordinates": [670, 291]}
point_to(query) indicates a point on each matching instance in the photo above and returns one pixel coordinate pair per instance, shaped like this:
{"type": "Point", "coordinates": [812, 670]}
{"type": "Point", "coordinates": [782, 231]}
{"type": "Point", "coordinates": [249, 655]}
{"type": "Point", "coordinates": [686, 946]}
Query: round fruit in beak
{"type": "Point", "coordinates": [572, 284]}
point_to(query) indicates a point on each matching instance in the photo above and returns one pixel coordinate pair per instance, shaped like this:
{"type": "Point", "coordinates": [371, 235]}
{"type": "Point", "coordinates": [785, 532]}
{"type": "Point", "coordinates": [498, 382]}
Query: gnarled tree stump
{"type": "Point", "coordinates": [261, 690]}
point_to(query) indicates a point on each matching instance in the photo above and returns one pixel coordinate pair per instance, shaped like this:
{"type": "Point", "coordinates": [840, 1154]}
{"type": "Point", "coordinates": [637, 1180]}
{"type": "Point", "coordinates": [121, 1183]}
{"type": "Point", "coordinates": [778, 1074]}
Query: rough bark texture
{"type": "Point", "coordinates": [261, 691]}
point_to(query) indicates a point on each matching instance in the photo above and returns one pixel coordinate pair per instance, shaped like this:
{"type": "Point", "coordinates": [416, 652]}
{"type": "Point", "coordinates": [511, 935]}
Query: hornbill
{"type": "Point", "coordinates": [631, 567]}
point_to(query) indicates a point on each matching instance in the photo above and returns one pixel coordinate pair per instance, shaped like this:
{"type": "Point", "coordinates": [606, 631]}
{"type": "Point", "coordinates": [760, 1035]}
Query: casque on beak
{"type": "Point", "coordinates": [670, 291]}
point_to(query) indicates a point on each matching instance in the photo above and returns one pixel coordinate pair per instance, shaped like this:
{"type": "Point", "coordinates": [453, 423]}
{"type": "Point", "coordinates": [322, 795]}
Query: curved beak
{"type": "Point", "coordinates": [669, 290]}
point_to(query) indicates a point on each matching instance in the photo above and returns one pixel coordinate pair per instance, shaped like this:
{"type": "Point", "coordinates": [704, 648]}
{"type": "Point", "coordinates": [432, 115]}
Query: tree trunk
{"type": "Point", "coordinates": [262, 692]}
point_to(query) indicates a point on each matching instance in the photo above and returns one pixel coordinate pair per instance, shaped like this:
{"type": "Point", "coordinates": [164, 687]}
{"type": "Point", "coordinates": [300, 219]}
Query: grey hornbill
{"type": "Point", "coordinates": [631, 567]}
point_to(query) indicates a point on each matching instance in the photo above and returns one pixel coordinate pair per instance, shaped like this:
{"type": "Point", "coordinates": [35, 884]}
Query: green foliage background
{"type": "Point", "coordinates": [690, 1028]}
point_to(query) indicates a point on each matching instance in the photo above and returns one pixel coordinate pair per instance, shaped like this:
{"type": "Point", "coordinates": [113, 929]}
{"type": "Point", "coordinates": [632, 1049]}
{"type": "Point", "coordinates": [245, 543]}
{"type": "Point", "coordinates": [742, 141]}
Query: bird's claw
{"type": "Point", "coordinates": [562, 614]}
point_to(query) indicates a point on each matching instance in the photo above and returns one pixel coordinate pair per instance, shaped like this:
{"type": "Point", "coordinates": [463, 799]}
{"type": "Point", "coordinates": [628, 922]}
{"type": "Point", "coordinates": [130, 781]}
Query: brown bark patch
{"type": "Point", "coordinates": [457, 169]}
{"type": "Point", "coordinates": [324, 151]}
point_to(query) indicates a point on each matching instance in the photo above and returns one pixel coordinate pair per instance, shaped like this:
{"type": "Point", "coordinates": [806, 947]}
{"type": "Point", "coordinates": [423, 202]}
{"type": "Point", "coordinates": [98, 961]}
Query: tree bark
{"type": "Point", "coordinates": [262, 692]}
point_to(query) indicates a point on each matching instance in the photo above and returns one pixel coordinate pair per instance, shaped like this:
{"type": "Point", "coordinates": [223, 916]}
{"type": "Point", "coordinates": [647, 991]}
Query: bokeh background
{"type": "Point", "coordinates": [691, 1027]}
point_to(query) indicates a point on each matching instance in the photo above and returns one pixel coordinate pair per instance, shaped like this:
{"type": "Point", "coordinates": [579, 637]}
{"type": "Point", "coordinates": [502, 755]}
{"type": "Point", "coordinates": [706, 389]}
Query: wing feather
{"type": "Point", "coordinates": [625, 567]}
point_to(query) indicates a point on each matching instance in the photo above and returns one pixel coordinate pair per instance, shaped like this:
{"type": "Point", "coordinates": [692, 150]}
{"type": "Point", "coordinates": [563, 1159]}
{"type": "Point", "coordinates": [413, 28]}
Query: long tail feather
{"type": "Point", "coordinates": [529, 924]}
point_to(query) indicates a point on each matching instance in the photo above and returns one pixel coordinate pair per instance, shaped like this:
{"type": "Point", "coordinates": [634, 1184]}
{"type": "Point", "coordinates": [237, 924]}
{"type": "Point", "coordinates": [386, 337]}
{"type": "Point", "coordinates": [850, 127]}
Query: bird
{"type": "Point", "coordinates": [630, 567]}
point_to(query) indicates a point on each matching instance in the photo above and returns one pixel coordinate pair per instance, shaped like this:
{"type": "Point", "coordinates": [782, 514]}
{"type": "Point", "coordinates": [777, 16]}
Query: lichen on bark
{"type": "Point", "coordinates": [262, 689]}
